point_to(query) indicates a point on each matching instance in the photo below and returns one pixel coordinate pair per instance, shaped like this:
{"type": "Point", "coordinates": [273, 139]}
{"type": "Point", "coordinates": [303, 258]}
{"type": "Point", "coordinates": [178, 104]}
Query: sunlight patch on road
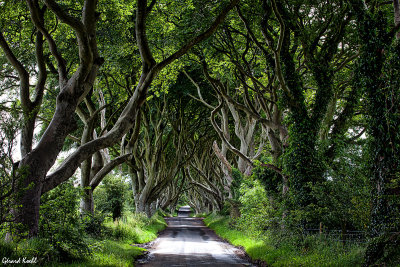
{"type": "Point", "coordinates": [180, 247]}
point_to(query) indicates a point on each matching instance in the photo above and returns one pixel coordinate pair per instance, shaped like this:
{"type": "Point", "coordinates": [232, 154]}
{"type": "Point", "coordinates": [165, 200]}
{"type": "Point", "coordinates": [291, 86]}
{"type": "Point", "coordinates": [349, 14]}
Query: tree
{"type": "Point", "coordinates": [289, 71]}
{"type": "Point", "coordinates": [73, 89]}
{"type": "Point", "coordinates": [377, 76]}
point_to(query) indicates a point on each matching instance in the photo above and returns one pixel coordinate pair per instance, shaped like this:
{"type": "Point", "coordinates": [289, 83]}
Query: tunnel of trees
{"type": "Point", "coordinates": [283, 115]}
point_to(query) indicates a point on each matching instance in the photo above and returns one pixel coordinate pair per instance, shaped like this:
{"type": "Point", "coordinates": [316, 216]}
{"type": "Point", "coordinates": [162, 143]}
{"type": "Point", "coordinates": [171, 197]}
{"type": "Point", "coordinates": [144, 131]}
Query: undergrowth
{"type": "Point", "coordinates": [136, 228]}
{"type": "Point", "coordinates": [114, 246]}
{"type": "Point", "coordinates": [277, 249]}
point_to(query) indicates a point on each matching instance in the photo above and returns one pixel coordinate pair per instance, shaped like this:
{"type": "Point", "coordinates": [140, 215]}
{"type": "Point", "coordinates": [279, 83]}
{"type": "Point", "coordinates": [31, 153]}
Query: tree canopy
{"type": "Point", "coordinates": [212, 103]}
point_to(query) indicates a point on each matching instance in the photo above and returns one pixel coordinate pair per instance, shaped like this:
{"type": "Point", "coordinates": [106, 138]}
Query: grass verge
{"type": "Point", "coordinates": [106, 253]}
{"type": "Point", "coordinates": [307, 251]}
{"type": "Point", "coordinates": [115, 246]}
{"type": "Point", "coordinates": [118, 249]}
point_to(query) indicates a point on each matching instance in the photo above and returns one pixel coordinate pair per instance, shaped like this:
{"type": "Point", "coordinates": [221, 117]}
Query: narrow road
{"type": "Point", "coordinates": [188, 242]}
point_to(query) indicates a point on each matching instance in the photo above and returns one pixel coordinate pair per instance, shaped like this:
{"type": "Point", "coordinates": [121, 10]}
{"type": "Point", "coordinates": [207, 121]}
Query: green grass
{"type": "Point", "coordinates": [201, 215]}
{"type": "Point", "coordinates": [136, 228]}
{"type": "Point", "coordinates": [108, 253]}
{"type": "Point", "coordinates": [256, 249]}
{"type": "Point", "coordinates": [120, 251]}
{"type": "Point", "coordinates": [116, 246]}
{"type": "Point", "coordinates": [312, 251]}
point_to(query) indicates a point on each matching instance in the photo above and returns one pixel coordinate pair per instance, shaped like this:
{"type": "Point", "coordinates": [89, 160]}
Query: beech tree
{"type": "Point", "coordinates": [377, 75]}
{"type": "Point", "coordinates": [305, 56]}
{"type": "Point", "coordinates": [257, 54]}
{"type": "Point", "coordinates": [157, 155]}
{"type": "Point", "coordinates": [73, 89]}
{"type": "Point", "coordinates": [36, 162]}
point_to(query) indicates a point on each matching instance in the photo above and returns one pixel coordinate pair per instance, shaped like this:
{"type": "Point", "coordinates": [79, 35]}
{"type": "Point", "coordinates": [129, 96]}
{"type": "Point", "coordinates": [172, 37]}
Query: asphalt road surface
{"type": "Point", "coordinates": [188, 242]}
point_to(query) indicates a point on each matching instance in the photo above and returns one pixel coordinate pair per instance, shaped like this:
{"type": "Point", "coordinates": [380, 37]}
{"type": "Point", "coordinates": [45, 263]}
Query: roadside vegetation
{"type": "Point", "coordinates": [259, 230]}
{"type": "Point", "coordinates": [287, 250]}
{"type": "Point", "coordinates": [70, 239]}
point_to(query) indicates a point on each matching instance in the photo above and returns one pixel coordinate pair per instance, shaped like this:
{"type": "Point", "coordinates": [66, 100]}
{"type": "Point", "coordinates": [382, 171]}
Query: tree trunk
{"type": "Point", "coordinates": [87, 203]}
{"type": "Point", "coordinates": [88, 172]}
{"type": "Point", "coordinates": [148, 210]}
{"type": "Point", "coordinates": [33, 167]}
{"type": "Point", "coordinates": [27, 212]}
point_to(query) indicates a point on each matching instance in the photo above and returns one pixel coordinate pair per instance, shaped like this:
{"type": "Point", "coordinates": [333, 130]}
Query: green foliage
{"type": "Point", "coordinates": [344, 199]}
{"type": "Point", "coordinates": [6, 248]}
{"type": "Point", "coordinates": [115, 253]}
{"type": "Point", "coordinates": [60, 222]}
{"type": "Point", "coordinates": [110, 196]}
{"type": "Point", "coordinates": [93, 224]}
{"type": "Point", "coordinates": [384, 249]}
{"type": "Point", "coordinates": [318, 40]}
{"type": "Point", "coordinates": [270, 179]}
{"type": "Point", "coordinates": [112, 248]}
{"type": "Point", "coordinates": [41, 249]}
{"type": "Point", "coordinates": [61, 233]}
{"type": "Point", "coordinates": [238, 178]}
{"type": "Point", "coordinates": [288, 251]}
{"type": "Point", "coordinates": [136, 227]}
{"type": "Point", "coordinates": [377, 74]}
{"type": "Point", "coordinates": [106, 253]}
{"type": "Point", "coordinates": [34, 248]}
{"type": "Point", "coordinates": [257, 213]}
{"type": "Point", "coordinates": [301, 162]}
{"type": "Point", "coordinates": [9, 124]}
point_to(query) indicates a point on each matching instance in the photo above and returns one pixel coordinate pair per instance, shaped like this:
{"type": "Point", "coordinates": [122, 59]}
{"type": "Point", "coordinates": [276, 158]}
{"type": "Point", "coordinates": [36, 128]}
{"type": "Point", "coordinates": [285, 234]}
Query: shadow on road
{"type": "Point", "coordinates": [188, 242]}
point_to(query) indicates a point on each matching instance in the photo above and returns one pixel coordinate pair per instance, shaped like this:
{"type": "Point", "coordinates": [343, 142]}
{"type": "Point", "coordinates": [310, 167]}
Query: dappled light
{"type": "Point", "coordinates": [187, 241]}
{"type": "Point", "coordinates": [131, 130]}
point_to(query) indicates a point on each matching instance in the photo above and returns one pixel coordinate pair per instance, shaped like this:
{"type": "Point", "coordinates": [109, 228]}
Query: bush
{"type": "Point", "coordinates": [257, 214]}
{"type": "Point", "coordinates": [60, 222]}
{"type": "Point", "coordinates": [110, 196]}
{"type": "Point", "coordinates": [94, 224]}
{"type": "Point", "coordinates": [38, 248]}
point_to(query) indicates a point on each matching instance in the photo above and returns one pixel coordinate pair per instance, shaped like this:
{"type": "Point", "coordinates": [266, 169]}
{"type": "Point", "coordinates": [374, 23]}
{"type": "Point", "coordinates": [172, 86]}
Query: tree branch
{"type": "Point", "coordinates": [75, 23]}
{"type": "Point", "coordinates": [198, 92]}
{"type": "Point", "coordinates": [396, 16]}
{"type": "Point", "coordinates": [200, 37]}
{"type": "Point", "coordinates": [141, 38]}
{"type": "Point", "coordinates": [41, 80]}
{"type": "Point", "coordinates": [106, 169]}
{"type": "Point", "coordinates": [221, 157]}
{"type": "Point", "coordinates": [37, 21]}
{"type": "Point", "coordinates": [22, 73]}
{"type": "Point", "coordinates": [221, 135]}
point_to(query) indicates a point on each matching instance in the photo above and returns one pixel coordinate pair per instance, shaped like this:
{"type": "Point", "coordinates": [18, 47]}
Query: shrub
{"type": "Point", "coordinates": [60, 222]}
{"type": "Point", "coordinates": [38, 248]}
{"type": "Point", "coordinates": [94, 224]}
{"type": "Point", "coordinates": [110, 196]}
{"type": "Point", "coordinates": [257, 214]}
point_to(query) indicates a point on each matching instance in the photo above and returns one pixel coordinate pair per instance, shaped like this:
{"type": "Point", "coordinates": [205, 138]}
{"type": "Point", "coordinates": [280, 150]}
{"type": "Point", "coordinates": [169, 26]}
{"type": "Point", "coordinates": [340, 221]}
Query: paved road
{"type": "Point", "coordinates": [187, 242]}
